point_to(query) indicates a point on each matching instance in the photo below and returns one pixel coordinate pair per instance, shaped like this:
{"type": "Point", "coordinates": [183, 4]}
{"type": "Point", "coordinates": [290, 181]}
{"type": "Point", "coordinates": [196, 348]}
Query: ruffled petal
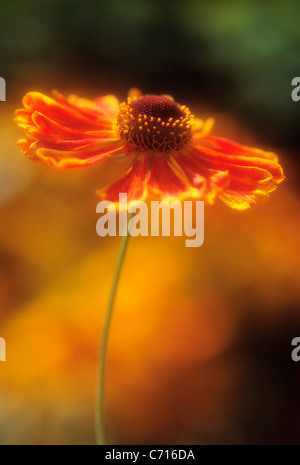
{"type": "Point", "coordinates": [49, 128]}
{"type": "Point", "coordinates": [229, 147]}
{"type": "Point", "coordinates": [71, 116]}
{"type": "Point", "coordinates": [239, 175]}
{"type": "Point", "coordinates": [68, 133]}
{"type": "Point", "coordinates": [68, 158]}
{"type": "Point", "coordinates": [101, 109]}
{"type": "Point", "coordinates": [205, 184]}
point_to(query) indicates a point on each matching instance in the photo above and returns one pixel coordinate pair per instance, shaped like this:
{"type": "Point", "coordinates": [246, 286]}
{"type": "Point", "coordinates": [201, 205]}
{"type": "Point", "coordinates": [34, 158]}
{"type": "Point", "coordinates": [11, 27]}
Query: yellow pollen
{"type": "Point", "coordinates": [154, 123]}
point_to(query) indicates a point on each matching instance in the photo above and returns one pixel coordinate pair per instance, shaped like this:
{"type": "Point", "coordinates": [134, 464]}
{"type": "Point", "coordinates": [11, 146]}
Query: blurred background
{"type": "Point", "coordinates": [200, 351]}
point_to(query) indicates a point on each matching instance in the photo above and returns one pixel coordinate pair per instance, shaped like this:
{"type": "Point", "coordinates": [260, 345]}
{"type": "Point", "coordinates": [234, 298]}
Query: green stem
{"type": "Point", "coordinates": [100, 421]}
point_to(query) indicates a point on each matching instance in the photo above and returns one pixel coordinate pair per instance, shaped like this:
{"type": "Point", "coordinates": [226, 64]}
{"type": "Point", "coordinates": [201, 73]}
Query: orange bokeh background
{"type": "Point", "coordinates": [201, 338]}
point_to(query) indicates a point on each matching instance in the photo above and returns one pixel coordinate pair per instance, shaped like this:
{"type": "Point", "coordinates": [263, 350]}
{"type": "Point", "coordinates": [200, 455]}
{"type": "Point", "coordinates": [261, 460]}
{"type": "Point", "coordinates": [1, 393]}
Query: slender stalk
{"type": "Point", "coordinates": [100, 417]}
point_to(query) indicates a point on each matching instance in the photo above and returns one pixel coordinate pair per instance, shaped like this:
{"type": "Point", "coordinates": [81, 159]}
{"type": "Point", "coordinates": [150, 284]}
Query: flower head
{"type": "Point", "coordinates": [167, 151]}
{"type": "Point", "coordinates": [154, 123]}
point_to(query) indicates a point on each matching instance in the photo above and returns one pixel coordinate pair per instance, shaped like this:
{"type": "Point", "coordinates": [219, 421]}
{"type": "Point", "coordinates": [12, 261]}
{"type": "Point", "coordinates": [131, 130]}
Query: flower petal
{"type": "Point", "coordinates": [72, 116]}
{"type": "Point", "coordinates": [104, 107]}
{"type": "Point", "coordinates": [68, 133]}
{"type": "Point", "coordinates": [239, 175]}
{"type": "Point", "coordinates": [229, 147]}
{"type": "Point", "coordinates": [53, 129]}
{"type": "Point", "coordinates": [134, 182]}
{"type": "Point", "coordinates": [207, 184]}
{"type": "Point", "coordinates": [68, 158]}
{"type": "Point", "coordinates": [166, 182]}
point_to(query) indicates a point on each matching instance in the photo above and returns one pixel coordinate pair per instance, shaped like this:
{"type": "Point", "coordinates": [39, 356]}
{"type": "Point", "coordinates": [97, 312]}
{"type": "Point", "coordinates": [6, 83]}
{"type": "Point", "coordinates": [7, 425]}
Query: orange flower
{"type": "Point", "coordinates": [168, 153]}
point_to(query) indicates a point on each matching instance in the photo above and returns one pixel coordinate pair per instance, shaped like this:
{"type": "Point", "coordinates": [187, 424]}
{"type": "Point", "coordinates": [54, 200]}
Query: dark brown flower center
{"type": "Point", "coordinates": [156, 106]}
{"type": "Point", "coordinates": [154, 123]}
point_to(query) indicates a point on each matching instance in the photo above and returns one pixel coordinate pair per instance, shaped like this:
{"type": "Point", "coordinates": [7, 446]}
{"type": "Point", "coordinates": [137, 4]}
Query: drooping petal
{"type": "Point", "coordinates": [68, 158]}
{"type": "Point", "coordinates": [150, 174]}
{"type": "Point", "coordinates": [166, 182]}
{"type": "Point", "coordinates": [228, 147]}
{"type": "Point", "coordinates": [68, 133]}
{"type": "Point", "coordinates": [244, 175]}
{"type": "Point", "coordinates": [205, 185]}
{"type": "Point", "coordinates": [133, 183]}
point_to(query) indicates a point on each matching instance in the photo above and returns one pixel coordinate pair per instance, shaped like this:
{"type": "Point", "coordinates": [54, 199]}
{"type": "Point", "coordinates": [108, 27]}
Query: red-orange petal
{"type": "Point", "coordinates": [150, 174]}
{"type": "Point", "coordinates": [68, 158]}
{"type": "Point", "coordinates": [164, 182]}
{"type": "Point", "coordinates": [50, 128]}
{"type": "Point", "coordinates": [133, 183]}
{"type": "Point", "coordinates": [68, 133]}
{"type": "Point", "coordinates": [248, 174]}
